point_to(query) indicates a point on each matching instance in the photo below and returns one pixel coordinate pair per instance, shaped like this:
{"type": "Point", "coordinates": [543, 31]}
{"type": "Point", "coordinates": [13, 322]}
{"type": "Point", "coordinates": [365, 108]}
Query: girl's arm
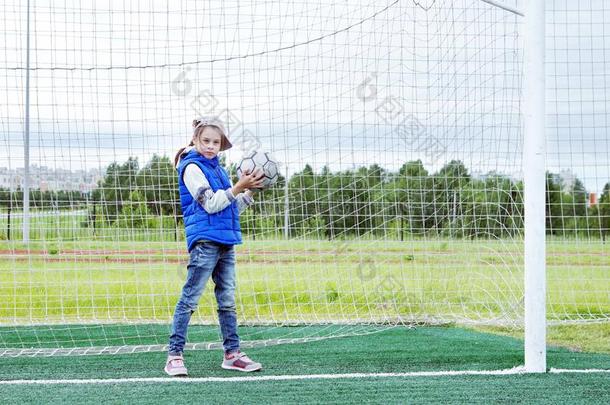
{"type": "Point", "coordinates": [244, 200]}
{"type": "Point", "coordinates": [199, 187]}
{"type": "Point", "coordinates": [242, 192]}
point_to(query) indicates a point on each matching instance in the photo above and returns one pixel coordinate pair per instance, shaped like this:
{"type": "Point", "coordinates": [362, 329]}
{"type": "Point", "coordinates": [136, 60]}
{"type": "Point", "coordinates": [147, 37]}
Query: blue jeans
{"type": "Point", "coordinates": [217, 260]}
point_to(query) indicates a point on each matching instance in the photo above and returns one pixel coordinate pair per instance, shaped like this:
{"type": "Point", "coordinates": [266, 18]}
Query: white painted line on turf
{"type": "Point", "coordinates": [512, 371]}
{"type": "Point", "coordinates": [577, 371]}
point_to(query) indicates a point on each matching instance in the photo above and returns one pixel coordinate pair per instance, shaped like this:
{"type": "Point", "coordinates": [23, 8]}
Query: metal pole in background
{"type": "Point", "coordinates": [26, 140]}
{"type": "Point", "coordinates": [286, 207]}
{"type": "Point", "coordinates": [534, 173]}
{"type": "Point", "coordinates": [503, 6]}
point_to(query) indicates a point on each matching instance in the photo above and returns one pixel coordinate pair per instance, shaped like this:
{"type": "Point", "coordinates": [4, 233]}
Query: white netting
{"type": "Point", "coordinates": [578, 161]}
{"type": "Point", "coordinates": [398, 128]}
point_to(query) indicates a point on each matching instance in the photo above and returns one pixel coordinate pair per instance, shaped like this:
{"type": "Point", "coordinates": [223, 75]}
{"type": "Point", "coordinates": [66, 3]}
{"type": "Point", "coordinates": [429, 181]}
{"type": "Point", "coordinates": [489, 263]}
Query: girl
{"type": "Point", "coordinates": [211, 207]}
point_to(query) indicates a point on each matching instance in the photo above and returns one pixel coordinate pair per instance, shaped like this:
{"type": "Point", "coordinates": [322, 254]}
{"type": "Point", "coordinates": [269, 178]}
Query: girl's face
{"type": "Point", "coordinates": [208, 142]}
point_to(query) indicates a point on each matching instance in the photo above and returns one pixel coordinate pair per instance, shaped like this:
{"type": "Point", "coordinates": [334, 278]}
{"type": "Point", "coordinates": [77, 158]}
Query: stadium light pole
{"type": "Point", "coordinates": [26, 138]}
{"type": "Point", "coordinates": [534, 173]}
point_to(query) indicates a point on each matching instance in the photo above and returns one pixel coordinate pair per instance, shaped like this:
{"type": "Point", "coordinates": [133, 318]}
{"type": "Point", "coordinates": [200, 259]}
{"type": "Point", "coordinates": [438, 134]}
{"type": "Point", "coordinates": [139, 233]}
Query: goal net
{"type": "Point", "coordinates": [398, 129]}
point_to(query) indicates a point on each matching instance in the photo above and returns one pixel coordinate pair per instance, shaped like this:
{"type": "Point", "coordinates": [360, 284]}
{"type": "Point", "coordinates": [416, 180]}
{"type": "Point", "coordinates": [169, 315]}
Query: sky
{"type": "Point", "coordinates": [339, 84]}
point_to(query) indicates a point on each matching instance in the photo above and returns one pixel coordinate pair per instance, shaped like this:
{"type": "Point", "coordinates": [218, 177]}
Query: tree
{"type": "Point", "coordinates": [553, 204]}
{"type": "Point", "coordinates": [579, 198]}
{"type": "Point", "coordinates": [448, 184]}
{"type": "Point", "coordinates": [412, 192]}
{"type": "Point", "coordinates": [158, 182]}
{"type": "Point", "coordinates": [115, 188]}
{"type": "Point", "coordinates": [301, 197]}
{"type": "Point", "coordinates": [490, 207]}
{"type": "Point", "coordinates": [134, 212]}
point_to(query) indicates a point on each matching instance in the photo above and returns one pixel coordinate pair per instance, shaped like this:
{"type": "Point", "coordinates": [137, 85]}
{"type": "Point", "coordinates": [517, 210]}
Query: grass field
{"type": "Point", "coordinates": [98, 293]}
{"type": "Point", "coordinates": [446, 280]}
{"type": "Point", "coordinates": [305, 281]}
{"type": "Point", "coordinates": [395, 350]}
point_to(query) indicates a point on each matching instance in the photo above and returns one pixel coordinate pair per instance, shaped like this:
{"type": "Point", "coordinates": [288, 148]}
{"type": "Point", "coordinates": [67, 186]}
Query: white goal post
{"type": "Point", "coordinates": [534, 173]}
{"type": "Point", "coordinates": [424, 173]}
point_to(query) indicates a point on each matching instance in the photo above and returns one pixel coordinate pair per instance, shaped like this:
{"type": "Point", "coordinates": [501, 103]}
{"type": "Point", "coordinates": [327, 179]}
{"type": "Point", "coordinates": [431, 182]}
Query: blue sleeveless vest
{"type": "Point", "coordinates": [222, 227]}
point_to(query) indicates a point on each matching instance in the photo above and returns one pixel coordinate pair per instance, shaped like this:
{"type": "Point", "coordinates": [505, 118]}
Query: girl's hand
{"type": "Point", "coordinates": [250, 181]}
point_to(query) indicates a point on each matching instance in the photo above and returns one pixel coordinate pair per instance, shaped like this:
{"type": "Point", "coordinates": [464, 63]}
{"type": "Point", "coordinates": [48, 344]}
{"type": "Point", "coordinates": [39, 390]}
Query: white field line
{"type": "Point", "coordinates": [512, 371]}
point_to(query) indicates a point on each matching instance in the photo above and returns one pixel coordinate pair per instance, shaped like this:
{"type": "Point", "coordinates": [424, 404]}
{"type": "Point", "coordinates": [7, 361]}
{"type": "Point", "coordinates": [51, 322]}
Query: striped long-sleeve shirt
{"type": "Point", "coordinates": [199, 187]}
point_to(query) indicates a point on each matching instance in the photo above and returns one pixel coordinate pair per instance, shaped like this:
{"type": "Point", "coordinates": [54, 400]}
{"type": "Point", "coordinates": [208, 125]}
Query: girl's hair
{"type": "Point", "coordinates": [197, 130]}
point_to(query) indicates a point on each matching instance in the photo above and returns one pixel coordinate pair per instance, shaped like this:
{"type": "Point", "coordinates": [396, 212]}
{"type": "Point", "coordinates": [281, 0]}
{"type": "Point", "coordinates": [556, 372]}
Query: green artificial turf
{"type": "Point", "coordinates": [393, 350]}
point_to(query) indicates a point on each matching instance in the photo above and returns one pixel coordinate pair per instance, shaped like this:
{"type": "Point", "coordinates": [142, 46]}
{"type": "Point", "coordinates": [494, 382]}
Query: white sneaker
{"type": "Point", "coordinates": [239, 361]}
{"type": "Point", "coordinates": [175, 366]}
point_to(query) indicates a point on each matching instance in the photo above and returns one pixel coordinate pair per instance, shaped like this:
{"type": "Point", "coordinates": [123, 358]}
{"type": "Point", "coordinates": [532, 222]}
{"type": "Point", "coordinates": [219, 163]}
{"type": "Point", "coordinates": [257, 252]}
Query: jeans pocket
{"type": "Point", "coordinates": [197, 251]}
{"type": "Point", "coordinates": [204, 251]}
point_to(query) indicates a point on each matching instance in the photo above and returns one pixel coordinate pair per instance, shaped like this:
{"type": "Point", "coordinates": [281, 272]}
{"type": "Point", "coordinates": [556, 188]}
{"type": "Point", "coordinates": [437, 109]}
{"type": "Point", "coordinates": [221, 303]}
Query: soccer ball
{"type": "Point", "coordinates": [259, 159]}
